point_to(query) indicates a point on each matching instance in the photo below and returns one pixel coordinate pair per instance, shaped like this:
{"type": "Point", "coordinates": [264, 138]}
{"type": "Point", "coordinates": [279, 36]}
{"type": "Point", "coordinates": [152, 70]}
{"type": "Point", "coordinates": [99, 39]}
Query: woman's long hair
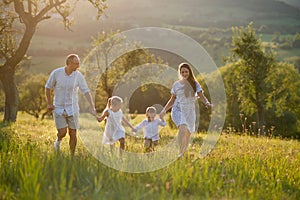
{"type": "Point", "coordinates": [190, 85]}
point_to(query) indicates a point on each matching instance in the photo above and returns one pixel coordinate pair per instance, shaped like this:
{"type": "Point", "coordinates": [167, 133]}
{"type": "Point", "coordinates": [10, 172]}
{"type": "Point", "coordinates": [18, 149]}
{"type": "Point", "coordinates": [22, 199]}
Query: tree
{"type": "Point", "coordinates": [21, 74]}
{"type": "Point", "coordinates": [282, 99]}
{"type": "Point", "coordinates": [111, 72]}
{"type": "Point", "coordinates": [297, 63]}
{"type": "Point", "coordinates": [259, 86]}
{"type": "Point", "coordinates": [296, 40]}
{"type": "Point", "coordinates": [12, 51]}
{"type": "Point", "coordinates": [108, 45]}
{"type": "Point", "coordinates": [253, 66]}
{"type": "Point", "coordinates": [228, 73]}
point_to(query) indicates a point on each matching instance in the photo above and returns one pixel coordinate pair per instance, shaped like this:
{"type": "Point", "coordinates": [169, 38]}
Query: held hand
{"type": "Point", "coordinates": [98, 119]}
{"type": "Point", "coordinates": [93, 111]}
{"type": "Point", "coordinates": [134, 133]}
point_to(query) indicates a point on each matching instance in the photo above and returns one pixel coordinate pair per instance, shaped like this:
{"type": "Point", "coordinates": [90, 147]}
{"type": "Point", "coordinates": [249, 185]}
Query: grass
{"type": "Point", "coordinates": [239, 167]}
{"type": "Point", "coordinates": [286, 54]}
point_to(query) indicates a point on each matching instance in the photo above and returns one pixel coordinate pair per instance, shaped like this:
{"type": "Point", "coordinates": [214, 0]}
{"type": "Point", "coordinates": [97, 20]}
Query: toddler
{"type": "Point", "coordinates": [150, 129]}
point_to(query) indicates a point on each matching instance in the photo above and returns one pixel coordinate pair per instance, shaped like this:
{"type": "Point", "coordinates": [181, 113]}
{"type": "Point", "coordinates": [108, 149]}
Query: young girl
{"type": "Point", "coordinates": [150, 129]}
{"type": "Point", "coordinates": [182, 101]}
{"type": "Point", "coordinates": [114, 131]}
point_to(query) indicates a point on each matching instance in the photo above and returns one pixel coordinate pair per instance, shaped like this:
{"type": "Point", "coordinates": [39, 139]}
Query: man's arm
{"type": "Point", "coordinates": [50, 105]}
{"type": "Point", "coordinates": [89, 98]}
{"type": "Point", "coordinates": [85, 90]}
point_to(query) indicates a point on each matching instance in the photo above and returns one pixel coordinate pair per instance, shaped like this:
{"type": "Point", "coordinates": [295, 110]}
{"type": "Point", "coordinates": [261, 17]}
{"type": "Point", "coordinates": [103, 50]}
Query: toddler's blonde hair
{"type": "Point", "coordinates": [150, 109]}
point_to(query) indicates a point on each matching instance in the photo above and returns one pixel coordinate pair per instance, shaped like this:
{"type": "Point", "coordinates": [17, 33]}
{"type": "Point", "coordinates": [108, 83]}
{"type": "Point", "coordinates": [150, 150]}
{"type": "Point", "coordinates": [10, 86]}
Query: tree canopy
{"type": "Point", "coordinates": [18, 22]}
{"type": "Point", "coordinates": [257, 85]}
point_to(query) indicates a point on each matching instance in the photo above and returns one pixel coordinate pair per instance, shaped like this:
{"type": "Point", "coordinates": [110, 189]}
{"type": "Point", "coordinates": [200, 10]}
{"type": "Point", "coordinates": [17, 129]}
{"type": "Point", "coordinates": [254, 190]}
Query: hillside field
{"type": "Point", "coordinates": [239, 167]}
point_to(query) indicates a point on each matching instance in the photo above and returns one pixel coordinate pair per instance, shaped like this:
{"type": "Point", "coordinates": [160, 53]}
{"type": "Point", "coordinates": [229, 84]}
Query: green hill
{"type": "Point", "coordinates": [295, 3]}
{"type": "Point", "coordinates": [202, 13]}
{"type": "Point", "coordinates": [268, 15]}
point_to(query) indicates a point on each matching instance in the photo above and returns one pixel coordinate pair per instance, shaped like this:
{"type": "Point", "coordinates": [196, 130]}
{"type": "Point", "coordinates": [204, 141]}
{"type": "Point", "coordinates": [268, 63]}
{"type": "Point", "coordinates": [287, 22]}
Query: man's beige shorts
{"type": "Point", "coordinates": [63, 121]}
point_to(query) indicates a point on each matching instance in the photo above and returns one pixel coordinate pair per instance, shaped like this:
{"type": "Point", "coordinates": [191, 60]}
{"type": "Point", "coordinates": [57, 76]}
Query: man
{"type": "Point", "coordinates": [65, 82]}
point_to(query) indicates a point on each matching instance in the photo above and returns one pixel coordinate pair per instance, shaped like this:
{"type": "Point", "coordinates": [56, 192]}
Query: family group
{"type": "Point", "coordinates": [67, 80]}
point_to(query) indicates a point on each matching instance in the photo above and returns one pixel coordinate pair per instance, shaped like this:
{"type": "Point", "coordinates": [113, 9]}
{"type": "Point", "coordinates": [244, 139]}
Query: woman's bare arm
{"type": "Point", "coordinates": [204, 99]}
{"type": "Point", "coordinates": [168, 105]}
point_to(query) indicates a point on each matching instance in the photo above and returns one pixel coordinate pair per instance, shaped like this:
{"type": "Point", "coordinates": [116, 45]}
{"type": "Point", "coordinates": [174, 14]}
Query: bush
{"type": "Point", "coordinates": [32, 95]}
{"type": "Point", "coordinates": [285, 125]}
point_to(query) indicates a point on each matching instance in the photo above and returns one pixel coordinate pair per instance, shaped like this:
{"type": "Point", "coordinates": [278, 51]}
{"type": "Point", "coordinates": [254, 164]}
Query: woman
{"type": "Point", "coordinates": [182, 102]}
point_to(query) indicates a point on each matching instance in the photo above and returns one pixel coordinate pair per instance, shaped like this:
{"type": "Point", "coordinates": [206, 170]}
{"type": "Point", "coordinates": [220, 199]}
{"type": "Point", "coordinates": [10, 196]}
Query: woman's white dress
{"type": "Point", "coordinates": [183, 110]}
{"type": "Point", "coordinates": [113, 129]}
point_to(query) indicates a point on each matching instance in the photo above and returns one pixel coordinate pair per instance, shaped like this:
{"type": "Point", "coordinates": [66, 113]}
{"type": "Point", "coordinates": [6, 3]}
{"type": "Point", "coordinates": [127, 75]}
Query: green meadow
{"type": "Point", "coordinates": [239, 167]}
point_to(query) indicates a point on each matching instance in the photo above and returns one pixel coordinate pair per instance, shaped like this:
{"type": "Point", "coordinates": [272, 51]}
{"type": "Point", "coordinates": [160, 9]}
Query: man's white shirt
{"type": "Point", "coordinates": [66, 90]}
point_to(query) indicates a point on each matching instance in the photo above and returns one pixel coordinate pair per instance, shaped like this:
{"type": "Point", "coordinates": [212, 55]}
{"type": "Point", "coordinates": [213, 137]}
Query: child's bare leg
{"type": "Point", "coordinates": [155, 143]}
{"type": "Point", "coordinates": [147, 144]}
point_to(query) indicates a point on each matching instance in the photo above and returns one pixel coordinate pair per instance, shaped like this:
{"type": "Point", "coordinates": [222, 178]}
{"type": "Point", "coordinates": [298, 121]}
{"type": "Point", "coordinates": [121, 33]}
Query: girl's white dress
{"type": "Point", "coordinates": [150, 129]}
{"type": "Point", "coordinates": [113, 129]}
{"type": "Point", "coordinates": [183, 110]}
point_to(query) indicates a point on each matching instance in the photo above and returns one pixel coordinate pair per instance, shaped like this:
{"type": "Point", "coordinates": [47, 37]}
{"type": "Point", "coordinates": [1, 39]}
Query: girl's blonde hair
{"type": "Point", "coordinates": [114, 100]}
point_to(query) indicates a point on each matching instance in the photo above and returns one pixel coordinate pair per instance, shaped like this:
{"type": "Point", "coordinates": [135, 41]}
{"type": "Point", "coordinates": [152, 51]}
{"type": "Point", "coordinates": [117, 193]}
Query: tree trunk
{"type": "Point", "coordinates": [261, 119]}
{"type": "Point", "coordinates": [7, 72]}
{"type": "Point", "coordinates": [11, 95]}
